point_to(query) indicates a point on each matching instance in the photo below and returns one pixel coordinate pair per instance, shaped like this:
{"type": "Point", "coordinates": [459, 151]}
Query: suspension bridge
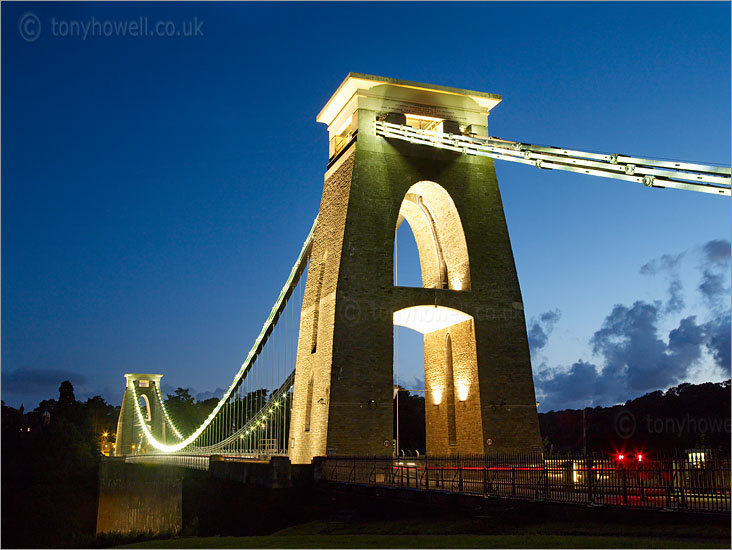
{"type": "Point", "coordinates": [318, 379]}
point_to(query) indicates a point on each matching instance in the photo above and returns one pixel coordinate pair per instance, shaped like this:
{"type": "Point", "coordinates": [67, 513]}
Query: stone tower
{"type": "Point", "coordinates": [129, 433]}
{"type": "Point", "coordinates": [479, 387]}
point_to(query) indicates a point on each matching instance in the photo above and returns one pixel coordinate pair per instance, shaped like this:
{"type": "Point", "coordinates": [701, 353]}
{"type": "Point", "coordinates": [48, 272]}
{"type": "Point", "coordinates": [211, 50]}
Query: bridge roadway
{"type": "Point", "coordinates": [551, 480]}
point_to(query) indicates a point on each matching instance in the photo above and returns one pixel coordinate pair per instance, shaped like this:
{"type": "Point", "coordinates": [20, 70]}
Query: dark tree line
{"type": "Point", "coordinates": [412, 433]}
{"type": "Point", "coordinates": [683, 417]}
{"type": "Point", "coordinates": [50, 465]}
{"type": "Point", "coordinates": [188, 414]}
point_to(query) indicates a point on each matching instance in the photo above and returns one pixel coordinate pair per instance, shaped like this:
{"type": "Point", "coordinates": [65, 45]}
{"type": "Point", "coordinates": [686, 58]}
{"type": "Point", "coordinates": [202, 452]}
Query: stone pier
{"type": "Point", "coordinates": [139, 498]}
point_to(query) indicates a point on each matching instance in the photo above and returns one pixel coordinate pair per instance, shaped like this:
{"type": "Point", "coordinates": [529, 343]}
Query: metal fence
{"type": "Point", "coordinates": [694, 481]}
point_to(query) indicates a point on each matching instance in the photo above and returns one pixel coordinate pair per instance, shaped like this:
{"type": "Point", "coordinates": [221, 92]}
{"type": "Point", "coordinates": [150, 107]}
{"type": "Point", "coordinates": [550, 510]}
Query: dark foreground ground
{"type": "Point", "coordinates": [338, 516]}
{"type": "Point", "coordinates": [350, 533]}
{"type": "Point", "coordinates": [333, 516]}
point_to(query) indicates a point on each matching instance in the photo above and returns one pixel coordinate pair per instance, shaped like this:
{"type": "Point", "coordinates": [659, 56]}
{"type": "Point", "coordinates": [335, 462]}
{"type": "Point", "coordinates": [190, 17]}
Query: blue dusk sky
{"type": "Point", "coordinates": [156, 190]}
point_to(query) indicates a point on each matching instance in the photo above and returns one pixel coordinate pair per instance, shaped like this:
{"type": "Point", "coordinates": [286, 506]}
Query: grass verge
{"type": "Point", "coordinates": [430, 541]}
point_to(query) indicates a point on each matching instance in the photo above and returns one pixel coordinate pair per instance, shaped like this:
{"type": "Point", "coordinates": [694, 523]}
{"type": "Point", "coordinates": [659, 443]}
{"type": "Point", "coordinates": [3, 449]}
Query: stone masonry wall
{"type": "Point", "coordinates": [136, 498]}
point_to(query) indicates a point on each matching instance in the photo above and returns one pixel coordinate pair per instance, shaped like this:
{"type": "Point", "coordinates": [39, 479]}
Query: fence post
{"type": "Point", "coordinates": [485, 477]}
{"type": "Point", "coordinates": [590, 473]}
{"type": "Point", "coordinates": [625, 486]}
{"type": "Point", "coordinates": [513, 480]}
{"type": "Point", "coordinates": [682, 482]}
{"type": "Point", "coordinates": [460, 474]}
{"type": "Point", "coordinates": [546, 482]}
{"type": "Point", "coordinates": [640, 482]}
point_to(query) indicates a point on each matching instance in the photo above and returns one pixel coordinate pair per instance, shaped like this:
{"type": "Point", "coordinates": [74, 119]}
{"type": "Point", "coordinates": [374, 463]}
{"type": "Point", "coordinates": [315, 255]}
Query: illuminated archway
{"type": "Point", "coordinates": [148, 414]}
{"type": "Point", "coordinates": [443, 252]}
{"type": "Point", "coordinates": [452, 399]}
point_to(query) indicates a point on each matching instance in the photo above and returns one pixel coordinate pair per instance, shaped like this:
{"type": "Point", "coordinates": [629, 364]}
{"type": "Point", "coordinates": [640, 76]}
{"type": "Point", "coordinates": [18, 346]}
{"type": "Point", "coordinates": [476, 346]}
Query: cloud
{"type": "Point", "coordinates": [540, 329]}
{"type": "Point", "coordinates": [168, 389]}
{"type": "Point", "coordinates": [675, 302]}
{"type": "Point", "coordinates": [715, 264]}
{"type": "Point", "coordinates": [712, 286]}
{"type": "Point", "coordinates": [571, 389]}
{"type": "Point", "coordinates": [31, 381]}
{"type": "Point", "coordinates": [113, 396]}
{"type": "Point", "coordinates": [629, 340]}
{"type": "Point", "coordinates": [685, 342]}
{"type": "Point", "coordinates": [414, 383]}
{"type": "Point", "coordinates": [667, 262]}
{"type": "Point", "coordinates": [634, 355]}
{"type": "Point", "coordinates": [668, 265]}
{"type": "Point", "coordinates": [718, 251]}
{"type": "Point", "coordinates": [719, 341]}
{"type": "Point", "coordinates": [218, 393]}
{"type": "Point", "coordinates": [635, 360]}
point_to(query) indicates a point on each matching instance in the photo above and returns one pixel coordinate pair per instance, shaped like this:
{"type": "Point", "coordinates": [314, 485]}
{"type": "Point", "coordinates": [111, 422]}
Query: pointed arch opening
{"type": "Point", "coordinates": [145, 407]}
{"type": "Point", "coordinates": [450, 391]}
{"type": "Point", "coordinates": [443, 252]}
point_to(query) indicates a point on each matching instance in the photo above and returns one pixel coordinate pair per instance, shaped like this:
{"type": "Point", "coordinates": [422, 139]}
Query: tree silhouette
{"type": "Point", "coordinates": [66, 396]}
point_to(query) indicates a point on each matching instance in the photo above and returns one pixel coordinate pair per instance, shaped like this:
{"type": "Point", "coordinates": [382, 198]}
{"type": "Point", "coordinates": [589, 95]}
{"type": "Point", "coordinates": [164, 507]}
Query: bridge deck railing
{"type": "Point", "coordinates": [676, 481]}
{"type": "Point", "coordinates": [195, 462]}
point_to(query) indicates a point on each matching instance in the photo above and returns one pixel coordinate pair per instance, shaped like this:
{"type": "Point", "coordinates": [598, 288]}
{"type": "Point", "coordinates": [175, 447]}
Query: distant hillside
{"type": "Point", "coordinates": [683, 417]}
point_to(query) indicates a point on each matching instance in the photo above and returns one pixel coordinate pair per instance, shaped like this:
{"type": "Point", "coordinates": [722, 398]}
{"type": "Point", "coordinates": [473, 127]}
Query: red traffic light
{"type": "Point", "coordinates": [621, 457]}
{"type": "Point", "coordinates": [640, 457]}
